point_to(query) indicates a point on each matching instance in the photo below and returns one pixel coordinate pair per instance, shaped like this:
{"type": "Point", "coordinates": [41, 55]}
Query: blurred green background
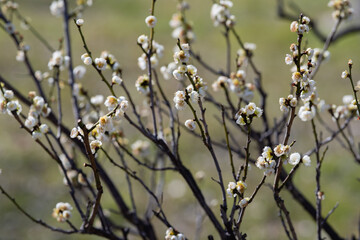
{"type": "Point", "coordinates": [34, 179]}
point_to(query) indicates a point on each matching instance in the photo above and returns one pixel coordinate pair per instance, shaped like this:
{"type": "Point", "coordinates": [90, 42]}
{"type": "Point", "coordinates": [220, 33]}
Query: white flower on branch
{"type": "Point", "coordinates": [14, 105]}
{"type": "Point", "coordinates": [20, 56]}
{"type": "Point", "coordinates": [190, 124]}
{"type": "Point", "coordinates": [30, 122]}
{"type": "Point", "coordinates": [36, 134]}
{"type": "Point", "coordinates": [143, 41]}
{"type": "Point", "coordinates": [306, 160]}
{"type": "Point", "coordinates": [282, 150]}
{"type": "Point", "coordinates": [244, 202]}
{"type": "Point", "coordinates": [79, 71]}
{"type": "Point", "coordinates": [142, 84]}
{"type": "Point", "coordinates": [344, 74]}
{"type": "Point", "coordinates": [44, 128]}
{"type": "Point", "coordinates": [179, 100]}
{"type": "Point", "coordinates": [246, 114]}
{"type": "Point", "coordinates": [80, 22]}
{"type": "Point", "coordinates": [111, 102]}
{"type": "Point", "coordinates": [307, 112]}
{"type": "Point", "coordinates": [116, 80]}
{"type": "Point", "coordinates": [97, 100]}
{"type": "Point", "coordinates": [100, 63]}
{"type": "Point", "coordinates": [56, 59]}
{"type": "Point", "coordinates": [266, 161]}
{"type": "Point", "coordinates": [220, 82]}
{"type": "Point", "coordinates": [8, 94]}
{"type": "Point", "coordinates": [95, 145]}
{"type": "Point", "coordinates": [57, 8]}
{"type": "Point", "coordinates": [294, 158]}
{"type": "Point", "coordinates": [62, 211]}
{"type": "Point", "coordinates": [168, 70]}
{"type": "Point", "coordinates": [151, 21]}
{"type": "Point", "coordinates": [236, 188]}
{"type": "Point", "coordinates": [171, 234]}
{"type": "Point", "coordinates": [294, 26]}
{"type": "Point", "coordinates": [86, 59]}
{"type": "Point", "coordinates": [288, 59]}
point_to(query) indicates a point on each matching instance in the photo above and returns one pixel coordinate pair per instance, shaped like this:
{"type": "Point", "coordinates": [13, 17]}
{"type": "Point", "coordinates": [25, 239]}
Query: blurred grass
{"type": "Point", "coordinates": [112, 25]}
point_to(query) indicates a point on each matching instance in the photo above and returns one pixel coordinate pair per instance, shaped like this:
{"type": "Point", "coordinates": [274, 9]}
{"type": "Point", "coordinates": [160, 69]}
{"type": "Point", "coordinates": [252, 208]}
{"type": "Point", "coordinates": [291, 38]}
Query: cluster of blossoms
{"type": "Point", "coordinates": [307, 112]}
{"type": "Point", "coordinates": [62, 211]}
{"type": "Point", "coordinates": [181, 57]}
{"type": "Point", "coordinates": [312, 55]}
{"type": "Point", "coordinates": [194, 95]}
{"type": "Point", "coordinates": [180, 100]}
{"type": "Point", "coordinates": [300, 27]}
{"type": "Point", "coordinates": [301, 75]}
{"type": "Point", "coordinates": [58, 60]}
{"type": "Point", "coordinates": [37, 109]}
{"type": "Point", "coordinates": [267, 162]}
{"type": "Point", "coordinates": [171, 234]}
{"type": "Point", "coordinates": [182, 29]}
{"type": "Point", "coordinates": [287, 103]}
{"type": "Point", "coordinates": [105, 128]}
{"type": "Point", "coordinates": [194, 91]}
{"type": "Point", "coordinates": [142, 84]}
{"type": "Point", "coordinates": [220, 13]}
{"type": "Point", "coordinates": [8, 103]}
{"type": "Point", "coordinates": [236, 84]}
{"type": "Point", "coordinates": [180, 69]}
{"type": "Point", "coordinates": [295, 158]}
{"type": "Point", "coordinates": [236, 188]}
{"type": "Point", "coordinates": [57, 7]}
{"type": "Point", "coordinates": [157, 49]}
{"type": "Point", "coordinates": [106, 60]}
{"type": "Point", "coordinates": [246, 114]}
{"type": "Point", "coordinates": [342, 9]}
{"type": "Point", "coordinates": [349, 107]}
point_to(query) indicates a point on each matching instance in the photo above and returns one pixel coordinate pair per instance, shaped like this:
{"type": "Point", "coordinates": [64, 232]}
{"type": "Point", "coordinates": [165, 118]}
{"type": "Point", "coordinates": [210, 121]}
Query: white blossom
{"type": "Point", "coordinates": [100, 63]}
{"type": "Point", "coordinates": [94, 145]}
{"type": "Point", "coordinates": [86, 59]}
{"type": "Point", "coordinates": [294, 158]}
{"type": "Point", "coordinates": [306, 113]}
{"type": "Point", "coordinates": [190, 124]}
{"type": "Point", "coordinates": [306, 160]}
{"type": "Point", "coordinates": [57, 8]}
{"type": "Point", "coordinates": [150, 21]}
{"type": "Point", "coordinates": [79, 71]}
{"type": "Point", "coordinates": [80, 22]}
{"type": "Point", "coordinates": [244, 202]}
{"type": "Point", "coordinates": [62, 211]}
